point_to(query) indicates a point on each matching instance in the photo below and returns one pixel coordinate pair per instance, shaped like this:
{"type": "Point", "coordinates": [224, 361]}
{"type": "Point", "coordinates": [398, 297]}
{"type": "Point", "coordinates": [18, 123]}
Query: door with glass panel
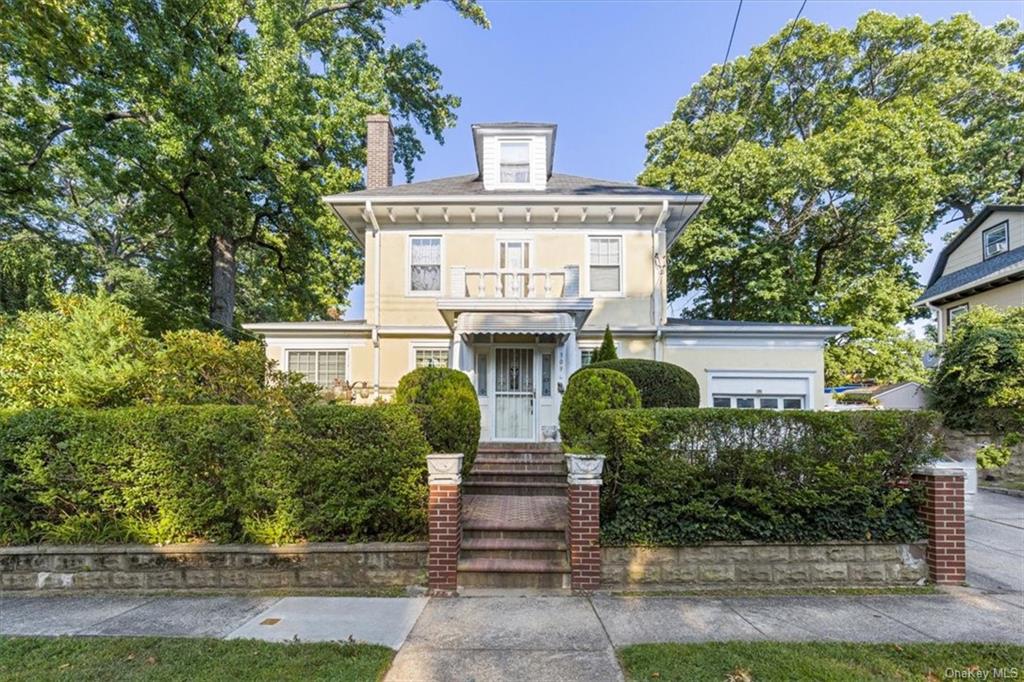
{"type": "Point", "coordinates": [514, 396]}
{"type": "Point", "coordinates": [514, 263]}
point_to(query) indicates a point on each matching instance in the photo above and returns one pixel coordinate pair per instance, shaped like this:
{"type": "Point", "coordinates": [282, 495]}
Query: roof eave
{"type": "Point", "coordinates": [524, 197]}
{"type": "Point", "coordinates": [1008, 271]}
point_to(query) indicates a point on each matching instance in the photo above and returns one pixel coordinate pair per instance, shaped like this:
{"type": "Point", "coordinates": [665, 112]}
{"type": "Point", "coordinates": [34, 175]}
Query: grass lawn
{"type": "Point", "coordinates": [823, 662]}
{"type": "Point", "coordinates": [157, 658]}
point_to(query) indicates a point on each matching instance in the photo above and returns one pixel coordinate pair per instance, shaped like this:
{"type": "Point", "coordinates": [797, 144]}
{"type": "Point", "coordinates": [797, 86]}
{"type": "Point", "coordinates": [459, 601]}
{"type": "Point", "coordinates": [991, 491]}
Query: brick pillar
{"type": "Point", "coordinates": [444, 514]}
{"type": "Point", "coordinates": [943, 513]}
{"type": "Point", "coordinates": [585, 521]}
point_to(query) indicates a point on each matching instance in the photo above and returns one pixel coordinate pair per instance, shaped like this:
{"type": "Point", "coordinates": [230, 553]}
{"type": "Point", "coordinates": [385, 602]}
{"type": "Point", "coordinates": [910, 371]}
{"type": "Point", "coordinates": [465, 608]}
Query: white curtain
{"type": "Point", "coordinates": [425, 261]}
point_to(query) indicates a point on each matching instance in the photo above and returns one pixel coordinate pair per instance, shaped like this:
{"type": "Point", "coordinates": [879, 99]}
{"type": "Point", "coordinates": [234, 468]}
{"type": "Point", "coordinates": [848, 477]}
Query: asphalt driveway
{"type": "Point", "coordinates": [995, 546]}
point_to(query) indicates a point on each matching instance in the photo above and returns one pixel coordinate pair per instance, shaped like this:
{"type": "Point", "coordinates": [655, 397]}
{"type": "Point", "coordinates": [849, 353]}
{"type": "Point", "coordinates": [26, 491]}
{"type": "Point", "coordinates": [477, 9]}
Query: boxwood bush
{"type": "Point", "coordinates": [588, 393]}
{"type": "Point", "coordinates": [687, 476]}
{"type": "Point", "coordinates": [446, 403]}
{"type": "Point", "coordinates": [212, 473]}
{"type": "Point", "coordinates": [661, 384]}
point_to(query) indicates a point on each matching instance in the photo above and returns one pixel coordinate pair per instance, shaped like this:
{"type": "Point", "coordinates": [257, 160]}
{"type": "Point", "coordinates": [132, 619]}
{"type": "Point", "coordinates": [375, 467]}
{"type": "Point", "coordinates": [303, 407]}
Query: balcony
{"type": "Point", "coordinates": [514, 291]}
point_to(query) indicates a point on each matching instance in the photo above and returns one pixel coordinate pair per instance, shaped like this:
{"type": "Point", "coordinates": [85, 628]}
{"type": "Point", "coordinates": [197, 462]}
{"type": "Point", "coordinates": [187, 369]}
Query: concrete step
{"type": "Point", "coordinates": [487, 475]}
{"type": "Point", "coordinates": [514, 487]}
{"type": "Point", "coordinates": [513, 548]}
{"type": "Point", "coordinates": [519, 467]}
{"type": "Point", "coordinates": [478, 533]}
{"type": "Point", "coordinates": [520, 458]}
{"type": "Point", "coordinates": [515, 573]}
{"type": "Point", "coordinates": [499, 446]}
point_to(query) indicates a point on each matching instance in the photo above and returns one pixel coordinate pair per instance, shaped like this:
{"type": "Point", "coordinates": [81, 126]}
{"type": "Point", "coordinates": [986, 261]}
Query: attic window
{"type": "Point", "coordinates": [996, 240]}
{"type": "Point", "coordinates": [514, 163]}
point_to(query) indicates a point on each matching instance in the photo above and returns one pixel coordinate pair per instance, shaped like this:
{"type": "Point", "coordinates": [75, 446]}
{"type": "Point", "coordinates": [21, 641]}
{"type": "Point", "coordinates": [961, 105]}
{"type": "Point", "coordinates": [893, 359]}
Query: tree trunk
{"type": "Point", "coordinates": [222, 294]}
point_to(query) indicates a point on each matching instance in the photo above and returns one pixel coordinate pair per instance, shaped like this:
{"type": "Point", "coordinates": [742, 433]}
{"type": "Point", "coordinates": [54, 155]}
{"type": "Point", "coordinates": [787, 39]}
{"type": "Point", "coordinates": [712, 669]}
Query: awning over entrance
{"type": "Point", "coordinates": [515, 323]}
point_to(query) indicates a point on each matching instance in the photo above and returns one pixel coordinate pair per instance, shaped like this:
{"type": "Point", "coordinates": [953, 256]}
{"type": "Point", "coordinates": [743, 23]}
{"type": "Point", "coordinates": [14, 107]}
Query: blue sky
{"type": "Point", "coordinates": [607, 72]}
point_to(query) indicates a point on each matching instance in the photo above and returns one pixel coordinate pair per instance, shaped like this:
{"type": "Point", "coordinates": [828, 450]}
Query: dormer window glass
{"type": "Point", "coordinates": [996, 240]}
{"type": "Point", "coordinates": [514, 163]}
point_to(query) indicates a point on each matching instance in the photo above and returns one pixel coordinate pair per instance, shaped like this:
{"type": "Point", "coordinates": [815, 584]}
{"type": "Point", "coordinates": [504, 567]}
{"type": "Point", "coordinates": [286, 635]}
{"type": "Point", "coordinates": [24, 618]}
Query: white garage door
{"type": "Point", "coordinates": [766, 392]}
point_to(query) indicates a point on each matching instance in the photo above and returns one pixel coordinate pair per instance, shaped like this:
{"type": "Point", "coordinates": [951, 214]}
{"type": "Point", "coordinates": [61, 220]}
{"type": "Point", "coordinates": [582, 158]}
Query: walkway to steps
{"type": "Point", "coordinates": [514, 519]}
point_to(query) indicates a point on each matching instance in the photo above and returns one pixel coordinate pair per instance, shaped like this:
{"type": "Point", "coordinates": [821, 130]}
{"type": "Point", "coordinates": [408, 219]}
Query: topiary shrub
{"type": "Point", "coordinates": [661, 384]}
{"type": "Point", "coordinates": [446, 403]}
{"type": "Point", "coordinates": [589, 393]}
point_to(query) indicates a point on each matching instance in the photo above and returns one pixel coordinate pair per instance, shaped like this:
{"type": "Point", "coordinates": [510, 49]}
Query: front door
{"type": "Point", "coordinates": [513, 394]}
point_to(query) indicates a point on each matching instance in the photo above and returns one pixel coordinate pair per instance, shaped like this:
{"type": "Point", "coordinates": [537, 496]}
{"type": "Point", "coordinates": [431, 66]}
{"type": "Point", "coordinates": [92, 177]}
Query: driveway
{"type": "Point", "coordinates": [995, 546]}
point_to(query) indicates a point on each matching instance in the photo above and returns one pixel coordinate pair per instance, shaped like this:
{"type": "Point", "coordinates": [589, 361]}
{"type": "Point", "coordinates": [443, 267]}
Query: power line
{"type": "Point", "coordinates": [728, 51]}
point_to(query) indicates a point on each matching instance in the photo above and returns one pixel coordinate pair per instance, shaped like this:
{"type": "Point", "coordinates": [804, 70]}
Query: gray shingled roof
{"type": "Point", "coordinates": [972, 273]}
{"type": "Point", "coordinates": [558, 183]}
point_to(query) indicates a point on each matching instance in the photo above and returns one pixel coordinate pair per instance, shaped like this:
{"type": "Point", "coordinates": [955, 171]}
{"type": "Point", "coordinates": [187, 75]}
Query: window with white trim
{"type": "Point", "coordinates": [431, 357]}
{"type": "Point", "coordinates": [606, 265]}
{"type": "Point", "coordinates": [996, 240]}
{"type": "Point", "coordinates": [586, 356]}
{"type": "Point", "coordinates": [514, 163]}
{"type": "Point", "coordinates": [425, 264]}
{"type": "Point", "coordinates": [325, 368]}
{"type": "Point", "coordinates": [955, 312]}
{"type": "Point", "coordinates": [545, 375]}
{"type": "Point", "coordinates": [761, 402]}
{"type": "Point", "coordinates": [481, 374]}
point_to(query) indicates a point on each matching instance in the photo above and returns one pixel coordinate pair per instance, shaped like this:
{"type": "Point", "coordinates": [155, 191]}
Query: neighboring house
{"type": "Point", "coordinates": [510, 274]}
{"type": "Point", "coordinates": [982, 265]}
{"type": "Point", "coordinates": [908, 395]}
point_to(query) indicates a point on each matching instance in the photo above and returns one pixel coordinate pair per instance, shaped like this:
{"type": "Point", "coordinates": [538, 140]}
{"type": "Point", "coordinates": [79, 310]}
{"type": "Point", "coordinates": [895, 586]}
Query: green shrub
{"type": "Point", "coordinates": [195, 368]}
{"type": "Point", "coordinates": [446, 403]}
{"type": "Point", "coordinates": [606, 351]}
{"type": "Point", "coordinates": [979, 385]}
{"type": "Point", "coordinates": [686, 476]}
{"type": "Point", "coordinates": [588, 393]}
{"type": "Point", "coordinates": [212, 473]}
{"type": "Point", "coordinates": [661, 384]}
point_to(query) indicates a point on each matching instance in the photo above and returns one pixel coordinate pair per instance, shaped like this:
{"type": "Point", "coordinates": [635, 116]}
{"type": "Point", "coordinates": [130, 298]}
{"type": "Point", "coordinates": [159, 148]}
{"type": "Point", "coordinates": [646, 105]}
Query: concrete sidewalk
{"type": "Point", "coordinates": [535, 637]}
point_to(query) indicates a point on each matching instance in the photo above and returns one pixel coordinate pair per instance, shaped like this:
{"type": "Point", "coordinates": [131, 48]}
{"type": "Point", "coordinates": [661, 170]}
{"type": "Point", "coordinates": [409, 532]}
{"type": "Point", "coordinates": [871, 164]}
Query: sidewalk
{"type": "Point", "coordinates": [565, 638]}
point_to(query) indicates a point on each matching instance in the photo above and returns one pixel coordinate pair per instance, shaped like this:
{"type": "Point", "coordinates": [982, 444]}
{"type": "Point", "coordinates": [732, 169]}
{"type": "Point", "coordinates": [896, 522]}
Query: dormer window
{"type": "Point", "coordinates": [996, 240]}
{"type": "Point", "coordinates": [515, 163]}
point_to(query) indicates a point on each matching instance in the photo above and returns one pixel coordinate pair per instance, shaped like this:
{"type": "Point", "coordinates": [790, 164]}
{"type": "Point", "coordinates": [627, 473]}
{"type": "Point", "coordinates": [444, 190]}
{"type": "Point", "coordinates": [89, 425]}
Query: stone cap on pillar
{"type": "Point", "coordinates": [444, 469]}
{"type": "Point", "coordinates": [584, 469]}
{"type": "Point", "coordinates": [936, 469]}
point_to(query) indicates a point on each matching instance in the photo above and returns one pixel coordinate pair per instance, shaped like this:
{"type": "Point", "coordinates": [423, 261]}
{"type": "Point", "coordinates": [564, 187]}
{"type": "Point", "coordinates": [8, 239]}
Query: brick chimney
{"type": "Point", "coordinates": [380, 151]}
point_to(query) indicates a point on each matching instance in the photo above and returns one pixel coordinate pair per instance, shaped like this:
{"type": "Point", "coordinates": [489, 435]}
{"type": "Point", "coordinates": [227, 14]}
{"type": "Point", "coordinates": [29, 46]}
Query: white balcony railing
{"type": "Point", "coordinates": [531, 283]}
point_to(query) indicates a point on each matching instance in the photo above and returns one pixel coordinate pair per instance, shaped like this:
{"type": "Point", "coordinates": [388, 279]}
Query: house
{"type": "Point", "coordinates": [982, 265]}
{"type": "Point", "coordinates": [906, 395]}
{"type": "Point", "coordinates": [510, 273]}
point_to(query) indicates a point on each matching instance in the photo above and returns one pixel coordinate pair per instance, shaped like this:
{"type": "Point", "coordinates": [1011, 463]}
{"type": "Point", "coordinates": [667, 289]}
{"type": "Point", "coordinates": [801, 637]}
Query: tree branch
{"type": "Point", "coordinates": [329, 9]}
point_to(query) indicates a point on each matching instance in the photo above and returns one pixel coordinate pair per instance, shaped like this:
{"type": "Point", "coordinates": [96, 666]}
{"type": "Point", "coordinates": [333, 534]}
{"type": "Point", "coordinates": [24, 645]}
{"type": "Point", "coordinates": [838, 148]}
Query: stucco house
{"type": "Point", "coordinates": [982, 265]}
{"type": "Point", "coordinates": [511, 272]}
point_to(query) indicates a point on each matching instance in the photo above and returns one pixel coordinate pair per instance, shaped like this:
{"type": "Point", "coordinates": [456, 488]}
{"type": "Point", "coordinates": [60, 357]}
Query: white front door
{"type": "Point", "coordinates": [514, 395]}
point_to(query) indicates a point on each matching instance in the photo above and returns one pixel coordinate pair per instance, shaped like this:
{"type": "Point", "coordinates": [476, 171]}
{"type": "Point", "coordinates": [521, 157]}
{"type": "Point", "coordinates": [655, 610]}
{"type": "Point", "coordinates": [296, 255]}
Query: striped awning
{"type": "Point", "coordinates": [515, 323]}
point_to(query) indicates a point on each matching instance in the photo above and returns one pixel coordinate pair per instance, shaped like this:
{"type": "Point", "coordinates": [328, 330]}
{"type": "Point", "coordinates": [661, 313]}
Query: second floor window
{"type": "Point", "coordinates": [514, 165]}
{"type": "Point", "coordinates": [955, 312]}
{"type": "Point", "coordinates": [606, 265]}
{"type": "Point", "coordinates": [425, 264]}
{"type": "Point", "coordinates": [996, 240]}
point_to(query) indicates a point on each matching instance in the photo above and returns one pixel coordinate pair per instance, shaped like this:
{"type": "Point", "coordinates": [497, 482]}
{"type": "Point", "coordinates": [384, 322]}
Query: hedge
{"type": "Point", "coordinates": [661, 384]}
{"type": "Point", "coordinates": [212, 473]}
{"type": "Point", "coordinates": [587, 394]}
{"type": "Point", "coordinates": [446, 403]}
{"type": "Point", "coordinates": [688, 476]}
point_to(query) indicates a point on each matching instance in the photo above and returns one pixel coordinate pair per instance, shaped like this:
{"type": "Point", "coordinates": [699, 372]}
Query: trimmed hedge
{"type": "Point", "coordinates": [212, 473]}
{"type": "Point", "coordinates": [446, 403]}
{"type": "Point", "coordinates": [687, 476]}
{"type": "Point", "coordinates": [661, 384]}
{"type": "Point", "coordinates": [587, 394]}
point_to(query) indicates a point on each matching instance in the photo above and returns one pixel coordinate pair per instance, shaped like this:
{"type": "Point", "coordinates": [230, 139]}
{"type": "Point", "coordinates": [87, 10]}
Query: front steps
{"type": "Point", "coordinates": [515, 515]}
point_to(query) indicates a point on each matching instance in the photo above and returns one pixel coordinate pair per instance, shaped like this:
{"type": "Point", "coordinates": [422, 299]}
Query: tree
{"type": "Point", "coordinates": [193, 139]}
{"type": "Point", "coordinates": [606, 351]}
{"type": "Point", "coordinates": [829, 154]}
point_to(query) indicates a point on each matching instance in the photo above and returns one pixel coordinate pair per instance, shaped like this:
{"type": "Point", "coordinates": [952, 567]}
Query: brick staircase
{"type": "Point", "coordinates": [515, 515]}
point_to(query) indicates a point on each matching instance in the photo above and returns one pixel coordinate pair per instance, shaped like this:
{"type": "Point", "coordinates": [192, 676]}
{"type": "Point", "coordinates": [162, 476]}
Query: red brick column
{"type": "Point", "coordinates": [444, 515]}
{"type": "Point", "coordinates": [585, 521]}
{"type": "Point", "coordinates": [943, 513]}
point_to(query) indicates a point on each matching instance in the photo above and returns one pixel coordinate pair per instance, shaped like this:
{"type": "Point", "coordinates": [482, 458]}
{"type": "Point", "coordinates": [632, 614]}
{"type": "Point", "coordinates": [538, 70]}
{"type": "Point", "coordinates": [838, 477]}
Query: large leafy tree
{"type": "Point", "coordinates": [829, 154]}
{"type": "Point", "coordinates": [176, 150]}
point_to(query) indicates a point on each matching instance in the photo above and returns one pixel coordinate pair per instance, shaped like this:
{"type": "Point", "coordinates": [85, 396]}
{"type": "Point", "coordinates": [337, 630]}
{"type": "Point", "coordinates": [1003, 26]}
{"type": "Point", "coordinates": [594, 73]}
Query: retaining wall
{"type": "Point", "coordinates": [756, 565]}
{"type": "Point", "coordinates": [170, 567]}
